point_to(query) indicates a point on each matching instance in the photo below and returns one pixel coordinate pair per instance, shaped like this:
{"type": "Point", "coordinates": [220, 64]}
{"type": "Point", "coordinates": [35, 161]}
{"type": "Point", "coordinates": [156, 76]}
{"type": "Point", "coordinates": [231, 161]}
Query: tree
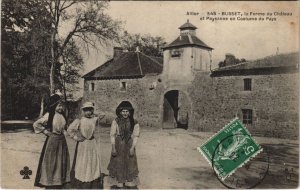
{"type": "Point", "coordinates": [88, 23]}
{"type": "Point", "coordinates": [29, 28]}
{"type": "Point", "coordinates": [23, 57]}
{"type": "Point", "coordinates": [150, 45]}
{"type": "Point", "coordinates": [71, 67]}
{"type": "Point", "coordinates": [230, 59]}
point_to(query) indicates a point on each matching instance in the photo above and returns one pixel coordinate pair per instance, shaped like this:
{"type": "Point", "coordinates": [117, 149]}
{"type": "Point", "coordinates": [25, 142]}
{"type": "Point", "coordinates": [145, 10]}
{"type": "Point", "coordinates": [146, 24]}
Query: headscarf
{"type": "Point", "coordinates": [125, 105]}
{"type": "Point", "coordinates": [53, 102]}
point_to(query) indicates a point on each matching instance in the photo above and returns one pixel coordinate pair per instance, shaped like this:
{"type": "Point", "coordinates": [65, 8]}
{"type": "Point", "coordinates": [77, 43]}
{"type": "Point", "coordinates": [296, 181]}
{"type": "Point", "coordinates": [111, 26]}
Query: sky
{"type": "Point", "coordinates": [245, 39]}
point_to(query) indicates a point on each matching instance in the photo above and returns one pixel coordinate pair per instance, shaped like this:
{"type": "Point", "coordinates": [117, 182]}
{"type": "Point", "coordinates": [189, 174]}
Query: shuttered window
{"type": "Point", "coordinates": [247, 116]}
{"type": "Point", "coordinates": [247, 84]}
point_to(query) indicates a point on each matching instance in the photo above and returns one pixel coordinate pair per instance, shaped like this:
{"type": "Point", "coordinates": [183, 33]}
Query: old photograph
{"type": "Point", "coordinates": [149, 94]}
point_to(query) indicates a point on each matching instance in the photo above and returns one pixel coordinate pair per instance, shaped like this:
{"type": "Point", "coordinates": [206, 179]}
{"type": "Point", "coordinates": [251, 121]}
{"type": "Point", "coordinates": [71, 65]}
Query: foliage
{"type": "Point", "coordinates": [32, 48]}
{"type": "Point", "coordinates": [89, 25]}
{"type": "Point", "coordinates": [24, 57]}
{"type": "Point", "coordinates": [71, 67]}
{"type": "Point", "coordinates": [150, 45]}
{"type": "Point", "coordinates": [230, 59]}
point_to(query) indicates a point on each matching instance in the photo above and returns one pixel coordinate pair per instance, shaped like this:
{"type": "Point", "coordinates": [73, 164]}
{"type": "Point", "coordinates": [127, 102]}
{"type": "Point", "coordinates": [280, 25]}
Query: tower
{"type": "Point", "coordinates": [186, 55]}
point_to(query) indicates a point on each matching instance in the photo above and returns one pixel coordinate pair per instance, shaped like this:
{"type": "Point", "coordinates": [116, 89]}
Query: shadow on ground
{"type": "Point", "coordinates": [284, 165]}
{"type": "Point", "coordinates": [201, 177]}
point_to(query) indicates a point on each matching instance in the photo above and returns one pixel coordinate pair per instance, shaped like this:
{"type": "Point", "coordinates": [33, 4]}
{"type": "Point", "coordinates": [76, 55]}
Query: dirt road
{"type": "Point", "coordinates": [167, 159]}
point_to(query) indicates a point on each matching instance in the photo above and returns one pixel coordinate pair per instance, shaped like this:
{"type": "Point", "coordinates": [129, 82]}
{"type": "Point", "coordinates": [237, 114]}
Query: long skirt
{"type": "Point", "coordinates": [86, 169]}
{"type": "Point", "coordinates": [54, 164]}
{"type": "Point", "coordinates": [123, 168]}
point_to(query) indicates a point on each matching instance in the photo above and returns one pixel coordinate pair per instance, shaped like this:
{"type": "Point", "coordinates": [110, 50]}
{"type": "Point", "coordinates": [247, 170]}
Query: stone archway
{"type": "Point", "coordinates": [176, 110]}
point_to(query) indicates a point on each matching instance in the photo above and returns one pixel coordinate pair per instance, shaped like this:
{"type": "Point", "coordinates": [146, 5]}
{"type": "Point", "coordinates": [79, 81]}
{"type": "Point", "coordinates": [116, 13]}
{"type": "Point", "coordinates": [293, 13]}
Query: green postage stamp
{"type": "Point", "coordinates": [230, 149]}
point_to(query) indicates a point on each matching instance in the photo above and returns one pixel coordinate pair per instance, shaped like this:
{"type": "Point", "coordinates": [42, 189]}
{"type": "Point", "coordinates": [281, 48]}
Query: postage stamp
{"type": "Point", "coordinates": [230, 148]}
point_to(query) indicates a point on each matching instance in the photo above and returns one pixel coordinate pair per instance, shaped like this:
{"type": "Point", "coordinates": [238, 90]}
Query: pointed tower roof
{"type": "Point", "coordinates": [187, 39]}
{"type": "Point", "coordinates": [187, 25]}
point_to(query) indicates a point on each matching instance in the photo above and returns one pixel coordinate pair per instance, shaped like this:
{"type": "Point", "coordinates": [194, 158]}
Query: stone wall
{"type": "Point", "coordinates": [144, 94]}
{"type": "Point", "coordinates": [274, 100]}
{"type": "Point", "coordinates": [210, 102]}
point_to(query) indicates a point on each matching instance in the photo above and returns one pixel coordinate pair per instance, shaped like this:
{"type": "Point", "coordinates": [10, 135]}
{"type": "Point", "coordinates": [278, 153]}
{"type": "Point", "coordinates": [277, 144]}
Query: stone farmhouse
{"type": "Point", "coordinates": [181, 90]}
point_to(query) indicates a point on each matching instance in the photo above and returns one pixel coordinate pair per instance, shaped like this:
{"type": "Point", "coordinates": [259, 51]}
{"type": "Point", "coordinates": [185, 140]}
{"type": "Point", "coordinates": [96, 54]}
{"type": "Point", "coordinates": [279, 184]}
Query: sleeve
{"type": "Point", "coordinates": [99, 118]}
{"type": "Point", "coordinates": [135, 134]}
{"type": "Point", "coordinates": [39, 125]}
{"type": "Point", "coordinates": [113, 131]}
{"type": "Point", "coordinates": [73, 128]}
{"type": "Point", "coordinates": [100, 115]}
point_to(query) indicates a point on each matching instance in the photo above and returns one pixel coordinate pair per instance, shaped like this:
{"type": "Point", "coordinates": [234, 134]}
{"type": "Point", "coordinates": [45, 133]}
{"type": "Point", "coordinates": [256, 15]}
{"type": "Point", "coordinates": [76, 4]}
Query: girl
{"type": "Point", "coordinates": [54, 165]}
{"type": "Point", "coordinates": [86, 162]}
{"type": "Point", "coordinates": [123, 168]}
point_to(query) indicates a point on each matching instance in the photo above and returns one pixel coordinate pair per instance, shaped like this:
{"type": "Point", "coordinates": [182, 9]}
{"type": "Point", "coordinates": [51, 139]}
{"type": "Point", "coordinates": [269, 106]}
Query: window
{"type": "Point", "coordinates": [247, 116]}
{"type": "Point", "coordinates": [247, 84]}
{"type": "Point", "coordinates": [153, 86]}
{"type": "Point", "coordinates": [92, 87]}
{"type": "Point", "coordinates": [176, 53]}
{"type": "Point", "coordinates": [123, 86]}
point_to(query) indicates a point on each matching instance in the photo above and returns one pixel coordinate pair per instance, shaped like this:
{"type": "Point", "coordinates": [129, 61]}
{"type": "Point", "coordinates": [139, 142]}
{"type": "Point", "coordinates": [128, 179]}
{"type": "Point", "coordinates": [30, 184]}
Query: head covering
{"type": "Point", "coordinates": [88, 105]}
{"type": "Point", "coordinates": [126, 105]}
{"type": "Point", "coordinates": [55, 99]}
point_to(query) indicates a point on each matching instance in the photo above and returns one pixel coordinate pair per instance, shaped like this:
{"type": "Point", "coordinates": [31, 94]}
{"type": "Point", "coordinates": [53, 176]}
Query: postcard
{"type": "Point", "coordinates": [149, 94]}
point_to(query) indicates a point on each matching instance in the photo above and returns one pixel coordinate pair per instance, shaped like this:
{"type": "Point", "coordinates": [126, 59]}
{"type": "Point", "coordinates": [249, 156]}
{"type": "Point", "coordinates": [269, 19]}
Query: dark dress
{"type": "Point", "coordinates": [54, 164]}
{"type": "Point", "coordinates": [123, 168]}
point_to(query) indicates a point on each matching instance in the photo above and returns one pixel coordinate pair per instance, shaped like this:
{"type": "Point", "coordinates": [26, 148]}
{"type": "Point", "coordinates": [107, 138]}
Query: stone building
{"type": "Point", "coordinates": [263, 93]}
{"type": "Point", "coordinates": [131, 76]}
{"type": "Point", "coordinates": [180, 90]}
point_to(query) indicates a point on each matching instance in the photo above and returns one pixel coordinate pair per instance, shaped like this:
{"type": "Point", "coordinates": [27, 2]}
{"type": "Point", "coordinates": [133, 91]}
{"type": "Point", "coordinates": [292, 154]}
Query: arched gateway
{"type": "Point", "coordinates": [176, 110]}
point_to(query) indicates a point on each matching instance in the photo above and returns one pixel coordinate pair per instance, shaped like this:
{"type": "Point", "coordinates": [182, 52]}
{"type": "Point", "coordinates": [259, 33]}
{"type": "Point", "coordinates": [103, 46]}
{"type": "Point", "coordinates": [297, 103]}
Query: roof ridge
{"type": "Point", "coordinates": [151, 59]}
{"type": "Point", "coordinates": [255, 60]}
{"type": "Point", "coordinates": [230, 66]}
{"type": "Point", "coordinates": [138, 57]}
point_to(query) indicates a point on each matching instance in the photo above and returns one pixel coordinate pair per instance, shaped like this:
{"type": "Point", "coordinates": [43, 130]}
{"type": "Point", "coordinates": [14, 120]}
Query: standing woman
{"type": "Point", "coordinates": [54, 165]}
{"type": "Point", "coordinates": [87, 160]}
{"type": "Point", "coordinates": [123, 167]}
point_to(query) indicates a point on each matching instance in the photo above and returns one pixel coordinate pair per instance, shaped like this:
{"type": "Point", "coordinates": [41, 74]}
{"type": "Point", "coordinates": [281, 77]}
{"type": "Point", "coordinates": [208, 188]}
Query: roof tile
{"type": "Point", "coordinates": [187, 40]}
{"type": "Point", "coordinates": [127, 65]}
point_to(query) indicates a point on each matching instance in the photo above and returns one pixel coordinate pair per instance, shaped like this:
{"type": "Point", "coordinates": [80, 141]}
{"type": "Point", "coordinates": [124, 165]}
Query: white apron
{"type": "Point", "coordinates": [87, 167]}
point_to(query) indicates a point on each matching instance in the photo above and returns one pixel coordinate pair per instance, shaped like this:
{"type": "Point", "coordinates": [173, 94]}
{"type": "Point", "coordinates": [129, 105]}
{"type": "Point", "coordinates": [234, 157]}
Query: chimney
{"type": "Point", "coordinates": [117, 51]}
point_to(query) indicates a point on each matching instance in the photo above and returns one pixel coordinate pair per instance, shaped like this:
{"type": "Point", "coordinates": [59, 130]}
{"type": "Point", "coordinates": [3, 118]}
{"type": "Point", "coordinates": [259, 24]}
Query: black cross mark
{"type": "Point", "coordinates": [26, 172]}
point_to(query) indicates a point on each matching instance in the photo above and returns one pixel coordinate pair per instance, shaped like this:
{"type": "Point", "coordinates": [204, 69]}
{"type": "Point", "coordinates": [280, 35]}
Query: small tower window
{"type": "Point", "coordinates": [153, 86]}
{"type": "Point", "coordinates": [176, 53]}
{"type": "Point", "coordinates": [247, 116]}
{"type": "Point", "coordinates": [123, 86]}
{"type": "Point", "coordinates": [92, 87]}
{"type": "Point", "coordinates": [247, 84]}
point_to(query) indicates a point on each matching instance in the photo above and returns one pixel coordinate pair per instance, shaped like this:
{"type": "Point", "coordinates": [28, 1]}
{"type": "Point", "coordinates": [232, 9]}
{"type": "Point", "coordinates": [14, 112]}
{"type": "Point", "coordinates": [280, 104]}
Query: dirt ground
{"type": "Point", "coordinates": [167, 159]}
